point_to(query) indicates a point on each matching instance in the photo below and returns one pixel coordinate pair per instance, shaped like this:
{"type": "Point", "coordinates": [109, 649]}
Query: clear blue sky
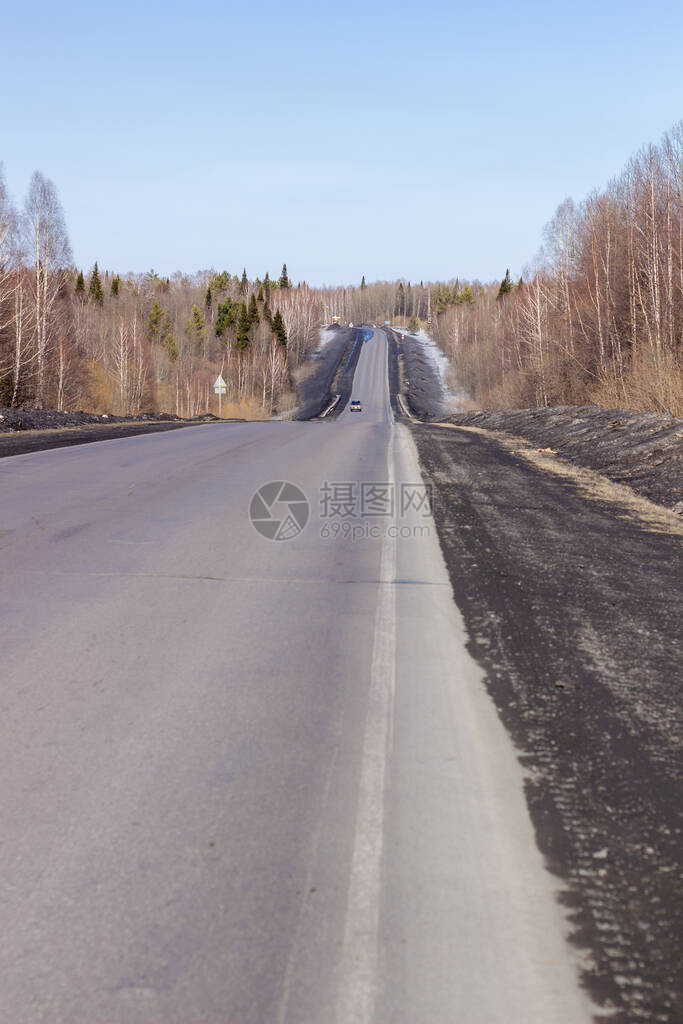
{"type": "Point", "coordinates": [420, 140]}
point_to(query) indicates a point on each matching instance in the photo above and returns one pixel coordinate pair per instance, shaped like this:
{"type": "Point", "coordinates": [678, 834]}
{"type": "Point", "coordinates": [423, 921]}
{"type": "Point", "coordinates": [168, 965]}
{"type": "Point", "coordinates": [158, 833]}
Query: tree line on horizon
{"type": "Point", "coordinates": [103, 341]}
{"type": "Point", "coordinates": [598, 317]}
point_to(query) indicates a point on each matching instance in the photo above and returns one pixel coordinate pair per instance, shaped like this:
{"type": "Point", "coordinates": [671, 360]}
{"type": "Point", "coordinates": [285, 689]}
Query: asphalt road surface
{"type": "Point", "coordinates": [248, 781]}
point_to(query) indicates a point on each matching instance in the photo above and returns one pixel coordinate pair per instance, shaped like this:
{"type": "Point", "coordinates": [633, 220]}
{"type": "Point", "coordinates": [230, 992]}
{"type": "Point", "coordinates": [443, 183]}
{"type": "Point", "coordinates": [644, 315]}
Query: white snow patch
{"type": "Point", "coordinates": [452, 398]}
{"type": "Point", "coordinates": [326, 335]}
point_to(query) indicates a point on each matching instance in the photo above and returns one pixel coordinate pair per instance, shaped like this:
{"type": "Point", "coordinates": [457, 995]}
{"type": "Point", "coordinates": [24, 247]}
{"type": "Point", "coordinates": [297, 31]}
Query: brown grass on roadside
{"type": "Point", "coordinates": [650, 385]}
{"type": "Point", "coordinates": [246, 409]}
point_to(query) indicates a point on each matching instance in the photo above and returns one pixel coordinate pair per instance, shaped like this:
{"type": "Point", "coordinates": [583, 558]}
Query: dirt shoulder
{"type": "Point", "coordinates": [421, 384]}
{"type": "Point", "coordinates": [572, 609]}
{"type": "Point", "coordinates": [33, 430]}
{"type": "Point", "coordinates": [642, 450]}
{"type": "Point", "coordinates": [50, 419]}
{"type": "Point", "coordinates": [325, 386]}
{"type": "Point", "coordinates": [315, 386]}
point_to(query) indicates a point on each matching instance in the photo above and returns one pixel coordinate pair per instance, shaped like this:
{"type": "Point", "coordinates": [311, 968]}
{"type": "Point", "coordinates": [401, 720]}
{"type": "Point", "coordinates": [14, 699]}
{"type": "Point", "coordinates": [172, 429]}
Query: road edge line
{"type": "Point", "coordinates": [359, 968]}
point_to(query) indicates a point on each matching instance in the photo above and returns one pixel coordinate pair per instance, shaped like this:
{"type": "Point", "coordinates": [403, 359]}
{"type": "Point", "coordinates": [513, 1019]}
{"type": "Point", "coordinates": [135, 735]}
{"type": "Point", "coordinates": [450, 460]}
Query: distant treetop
{"type": "Point", "coordinates": [95, 290]}
{"type": "Point", "coordinates": [506, 286]}
{"type": "Point", "coordinates": [284, 281]}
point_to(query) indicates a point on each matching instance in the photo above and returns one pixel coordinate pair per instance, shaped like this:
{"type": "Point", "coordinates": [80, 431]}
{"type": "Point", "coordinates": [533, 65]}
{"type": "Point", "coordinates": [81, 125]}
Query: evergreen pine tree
{"type": "Point", "coordinates": [466, 295]}
{"type": "Point", "coordinates": [220, 282]}
{"type": "Point", "coordinates": [260, 293]}
{"type": "Point", "coordinates": [208, 298]}
{"type": "Point", "coordinates": [115, 286]}
{"type": "Point", "coordinates": [399, 302]}
{"type": "Point", "coordinates": [159, 330]}
{"type": "Point", "coordinates": [95, 289]}
{"type": "Point", "coordinates": [196, 325]}
{"type": "Point", "coordinates": [362, 283]}
{"type": "Point", "coordinates": [284, 281]}
{"type": "Point", "coordinates": [242, 341]}
{"type": "Point", "coordinates": [80, 286]}
{"type": "Point", "coordinates": [155, 322]}
{"type": "Point", "coordinates": [253, 311]}
{"type": "Point", "coordinates": [226, 317]}
{"type": "Point", "coordinates": [267, 283]}
{"type": "Point", "coordinates": [170, 344]}
{"type": "Point", "coordinates": [244, 285]}
{"type": "Point", "coordinates": [279, 329]}
{"type": "Point", "coordinates": [506, 286]}
{"type": "Point", "coordinates": [267, 315]}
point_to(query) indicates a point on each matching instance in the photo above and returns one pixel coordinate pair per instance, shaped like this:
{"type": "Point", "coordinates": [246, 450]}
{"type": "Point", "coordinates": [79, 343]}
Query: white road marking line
{"type": "Point", "coordinates": [359, 967]}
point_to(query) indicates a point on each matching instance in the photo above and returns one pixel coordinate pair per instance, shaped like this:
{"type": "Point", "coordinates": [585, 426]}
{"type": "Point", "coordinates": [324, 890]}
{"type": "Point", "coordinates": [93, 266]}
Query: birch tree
{"type": "Point", "coordinates": [8, 223]}
{"type": "Point", "coordinates": [47, 244]}
{"type": "Point", "coordinates": [16, 356]}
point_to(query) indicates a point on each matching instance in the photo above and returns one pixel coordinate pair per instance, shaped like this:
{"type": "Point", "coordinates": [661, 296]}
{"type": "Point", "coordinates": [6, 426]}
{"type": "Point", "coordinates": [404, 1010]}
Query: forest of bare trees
{"type": "Point", "coordinates": [125, 344]}
{"type": "Point", "coordinates": [102, 341]}
{"type": "Point", "coordinates": [599, 317]}
{"type": "Point", "coordinates": [383, 300]}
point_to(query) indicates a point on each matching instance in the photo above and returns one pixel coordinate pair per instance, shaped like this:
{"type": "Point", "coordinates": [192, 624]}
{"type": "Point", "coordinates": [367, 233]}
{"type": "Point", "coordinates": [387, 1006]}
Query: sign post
{"type": "Point", "coordinates": [220, 388]}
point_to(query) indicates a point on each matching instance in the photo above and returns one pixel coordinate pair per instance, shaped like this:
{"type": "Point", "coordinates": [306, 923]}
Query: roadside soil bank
{"type": "Point", "coordinates": [421, 384]}
{"type": "Point", "coordinates": [330, 373]}
{"type": "Point", "coordinates": [315, 385]}
{"type": "Point", "coordinates": [33, 430]}
{"type": "Point", "coordinates": [643, 450]}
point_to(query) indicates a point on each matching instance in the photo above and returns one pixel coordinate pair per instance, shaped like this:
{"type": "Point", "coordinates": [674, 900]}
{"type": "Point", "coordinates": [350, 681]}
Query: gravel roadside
{"type": "Point", "coordinates": [573, 610]}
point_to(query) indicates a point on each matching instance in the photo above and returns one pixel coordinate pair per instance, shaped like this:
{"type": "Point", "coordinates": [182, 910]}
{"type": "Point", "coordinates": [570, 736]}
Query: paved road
{"type": "Point", "coordinates": [247, 781]}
